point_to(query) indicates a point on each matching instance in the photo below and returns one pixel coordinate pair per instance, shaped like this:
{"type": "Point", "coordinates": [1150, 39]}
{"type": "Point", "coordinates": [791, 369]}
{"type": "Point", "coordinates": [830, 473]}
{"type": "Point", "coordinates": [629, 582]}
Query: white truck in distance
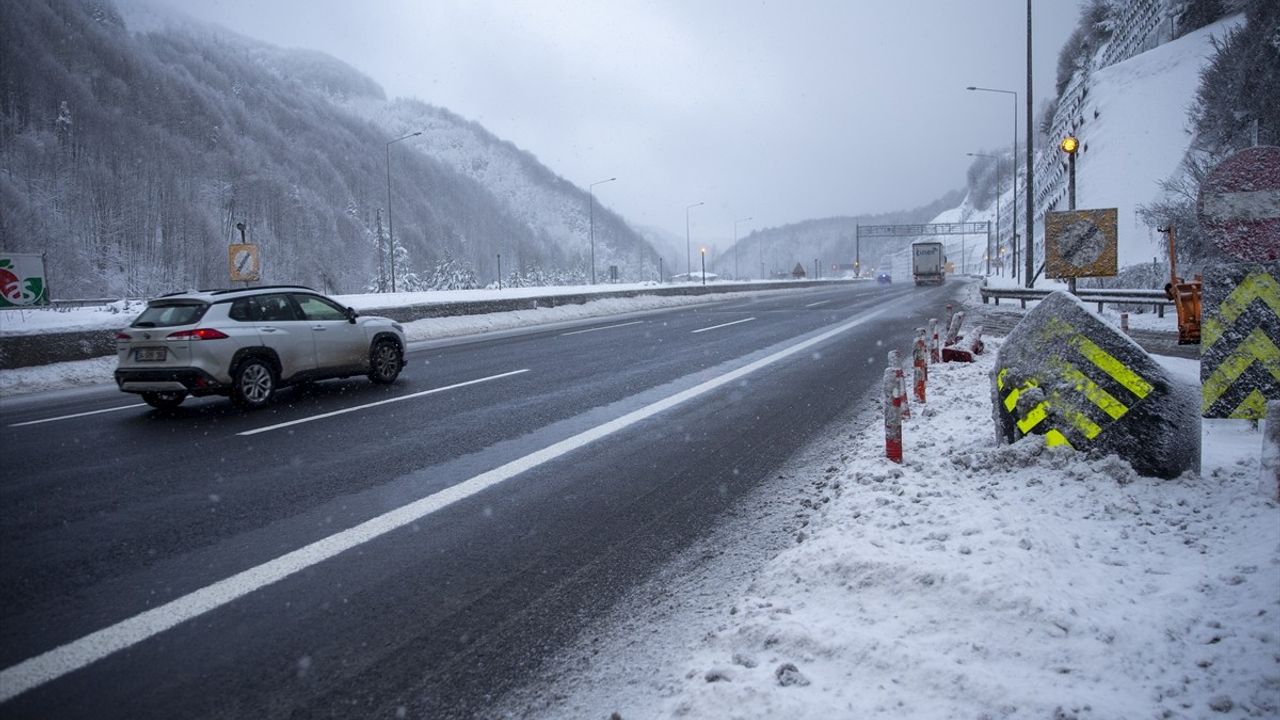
{"type": "Point", "coordinates": [927, 263]}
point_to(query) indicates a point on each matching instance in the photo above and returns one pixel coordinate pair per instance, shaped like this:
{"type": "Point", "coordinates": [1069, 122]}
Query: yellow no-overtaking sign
{"type": "Point", "coordinates": [244, 262]}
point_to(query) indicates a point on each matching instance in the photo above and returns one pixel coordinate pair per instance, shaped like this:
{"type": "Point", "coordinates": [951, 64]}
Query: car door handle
{"type": "Point", "coordinates": [318, 328]}
{"type": "Point", "coordinates": [269, 329]}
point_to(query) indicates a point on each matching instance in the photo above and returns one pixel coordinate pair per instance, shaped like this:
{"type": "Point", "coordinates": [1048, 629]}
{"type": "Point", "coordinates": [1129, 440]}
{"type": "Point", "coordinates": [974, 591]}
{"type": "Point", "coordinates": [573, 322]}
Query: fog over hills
{"type": "Point", "coordinates": [130, 156]}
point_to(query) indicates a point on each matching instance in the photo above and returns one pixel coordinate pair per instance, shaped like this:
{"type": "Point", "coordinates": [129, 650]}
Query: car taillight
{"type": "Point", "coordinates": [123, 336]}
{"type": "Point", "coordinates": [198, 334]}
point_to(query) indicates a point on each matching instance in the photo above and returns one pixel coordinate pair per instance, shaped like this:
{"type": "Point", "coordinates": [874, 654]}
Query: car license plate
{"type": "Point", "coordinates": [149, 354]}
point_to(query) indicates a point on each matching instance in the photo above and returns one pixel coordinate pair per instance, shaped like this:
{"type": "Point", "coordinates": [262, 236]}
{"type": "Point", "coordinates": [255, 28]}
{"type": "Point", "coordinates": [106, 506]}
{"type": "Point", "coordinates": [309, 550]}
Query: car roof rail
{"type": "Point", "coordinates": [224, 291]}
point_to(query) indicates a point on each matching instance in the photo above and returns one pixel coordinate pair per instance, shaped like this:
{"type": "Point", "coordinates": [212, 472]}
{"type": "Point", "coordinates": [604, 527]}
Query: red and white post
{"type": "Point", "coordinates": [935, 345]}
{"type": "Point", "coordinates": [892, 417]}
{"type": "Point", "coordinates": [953, 328]}
{"type": "Point", "coordinates": [895, 363]}
{"type": "Point", "coordinates": [920, 359]}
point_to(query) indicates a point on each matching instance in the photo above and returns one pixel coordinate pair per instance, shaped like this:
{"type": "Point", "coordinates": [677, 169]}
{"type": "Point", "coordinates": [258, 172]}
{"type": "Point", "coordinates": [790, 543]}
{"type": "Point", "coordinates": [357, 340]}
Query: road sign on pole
{"type": "Point", "coordinates": [1080, 243]}
{"type": "Point", "coordinates": [1239, 204]}
{"type": "Point", "coordinates": [244, 262]}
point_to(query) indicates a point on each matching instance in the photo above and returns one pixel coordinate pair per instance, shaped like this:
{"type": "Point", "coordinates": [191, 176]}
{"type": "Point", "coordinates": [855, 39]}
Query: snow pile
{"type": "Point", "coordinates": [987, 581]}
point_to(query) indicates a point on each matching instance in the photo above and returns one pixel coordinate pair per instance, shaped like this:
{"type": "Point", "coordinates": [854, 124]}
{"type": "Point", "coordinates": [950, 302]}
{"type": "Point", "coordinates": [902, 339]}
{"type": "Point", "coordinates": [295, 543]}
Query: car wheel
{"type": "Point", "coordinates": [254, 382]}
{"type": "Point", "coordinates": [385, 362]}
{"type": "Point", "coordinates": [164, 400]}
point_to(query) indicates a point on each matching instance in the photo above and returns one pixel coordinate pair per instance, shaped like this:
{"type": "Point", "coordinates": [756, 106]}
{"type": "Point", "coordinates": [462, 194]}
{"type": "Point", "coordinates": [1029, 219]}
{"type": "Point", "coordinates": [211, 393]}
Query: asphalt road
{"type": "Point", "coordinates": [416, 557]}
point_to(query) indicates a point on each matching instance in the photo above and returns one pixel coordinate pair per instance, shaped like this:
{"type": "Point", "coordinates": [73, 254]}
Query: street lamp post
{"type": "Point", "coordinates": [688, 255]}
{"type": "Point", "coordinates": [997, 159]}
{"type": "Point", "coordinates": [1013, 215]}
{"type": "Point", "coordinates": [391, 235]}
{"type": "Point", "coordinates": [735, 246]}
{"type": "Point", "coordinates": [1070, 145]}
{"type": "Point", "coordinates": [704, 266]}
{"type": "Point", "coordinates": [592, 201]}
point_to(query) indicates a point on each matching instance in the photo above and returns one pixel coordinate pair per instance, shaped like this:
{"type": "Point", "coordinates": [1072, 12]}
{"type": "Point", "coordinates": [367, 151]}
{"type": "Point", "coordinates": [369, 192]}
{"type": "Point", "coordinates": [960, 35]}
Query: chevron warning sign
{"type": "Point", "coordinates": [1079, 402]}
{"type": "Point", "coordinates": [1066, 375]}
{"type": "Point", "coordinates": [1240, 344]}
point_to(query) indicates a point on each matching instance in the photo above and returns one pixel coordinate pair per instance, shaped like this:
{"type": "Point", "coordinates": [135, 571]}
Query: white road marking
{"type": "Point", "coordinates": [820, 302]}
{"type": "Point", "coordinates": [717, 327]}
{"type": "Point", "coordinates": [55, 663]}
{"type": "Point", "coordinates": [83, 414]}
{"type": "Point", "coordinates": [606, 327]}
{"type": "Point", "coordinates": [411, 396]}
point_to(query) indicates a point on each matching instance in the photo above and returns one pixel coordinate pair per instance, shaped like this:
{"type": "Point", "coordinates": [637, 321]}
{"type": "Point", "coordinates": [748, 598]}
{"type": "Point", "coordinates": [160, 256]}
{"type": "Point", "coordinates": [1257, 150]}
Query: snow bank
{"type": "Point", "coordinates": [986, 581]}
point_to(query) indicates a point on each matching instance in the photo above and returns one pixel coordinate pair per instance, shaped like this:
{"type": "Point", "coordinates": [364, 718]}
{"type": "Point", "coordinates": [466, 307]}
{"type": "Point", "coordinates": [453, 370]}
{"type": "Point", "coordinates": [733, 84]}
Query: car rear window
{"type": "Point", "coordinates": [169, 314]}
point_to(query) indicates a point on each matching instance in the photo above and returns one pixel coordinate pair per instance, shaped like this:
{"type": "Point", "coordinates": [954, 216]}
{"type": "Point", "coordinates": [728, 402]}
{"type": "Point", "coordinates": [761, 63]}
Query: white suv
{"type": "Point", "coordinates": [247, 343]}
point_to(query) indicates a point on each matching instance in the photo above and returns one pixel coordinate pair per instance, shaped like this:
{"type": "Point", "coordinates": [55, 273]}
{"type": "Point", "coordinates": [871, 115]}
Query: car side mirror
{"type": "Point", "coordinates": [352, 315]}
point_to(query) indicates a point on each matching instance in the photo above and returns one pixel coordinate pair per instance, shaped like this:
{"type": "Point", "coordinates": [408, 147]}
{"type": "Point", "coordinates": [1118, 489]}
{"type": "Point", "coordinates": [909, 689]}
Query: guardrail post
{"type": "Point", "coordinates": [892, 417]}
{"type": "Point", "coordinates": [1124, 323]}
{"type": "Point", "coordinates": [921, 363]}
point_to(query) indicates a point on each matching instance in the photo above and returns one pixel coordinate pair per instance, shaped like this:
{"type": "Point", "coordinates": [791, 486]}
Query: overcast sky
{"type": "Point", "coordinates": [782, 111]}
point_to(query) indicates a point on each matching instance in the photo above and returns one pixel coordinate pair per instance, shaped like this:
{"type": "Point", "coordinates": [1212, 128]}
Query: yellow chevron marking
{"type": "Point", "coordinates": [1255, 286]}
{"type": "Point", "coordinates": [1253, 407]}
{"type": "Point", "coordinates": [1082, 423]}
{"type": "Point", "coordinates": [1106, 362]}
{"type": "Point", "coordinates": [1033, 418]}
{"type": "Point", "coordinates": [1000, 378]}
{"type": "Point", "coordinates": [1255, 348]}
{"type": "Point", "coordinates": [1053, 438]}
{"type": "Point", "coordinates": [1096, 395]}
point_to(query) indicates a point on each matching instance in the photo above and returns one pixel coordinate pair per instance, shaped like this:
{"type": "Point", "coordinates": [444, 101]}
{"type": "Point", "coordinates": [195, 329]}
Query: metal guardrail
{"type": "Point", "coordinates": [43, 348]}
{"type": "Point", "coordinates": [65, 304]}
{"type": "Point", "coordinates": [1102, 296]}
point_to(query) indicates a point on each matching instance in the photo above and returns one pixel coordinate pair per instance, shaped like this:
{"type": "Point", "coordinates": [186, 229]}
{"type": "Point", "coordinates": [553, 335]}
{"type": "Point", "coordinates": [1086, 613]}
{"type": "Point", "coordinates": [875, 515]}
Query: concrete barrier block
{"type": "Point", "coordinates": [1064, 374]}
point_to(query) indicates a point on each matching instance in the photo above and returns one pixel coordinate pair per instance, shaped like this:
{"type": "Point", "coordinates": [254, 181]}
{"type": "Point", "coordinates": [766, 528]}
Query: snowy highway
{"type": "Point", "coordinates": [356, 549]}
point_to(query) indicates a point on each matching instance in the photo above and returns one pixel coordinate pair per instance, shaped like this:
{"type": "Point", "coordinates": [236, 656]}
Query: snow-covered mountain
{"type": "Point", "coordinates": [134, 143]}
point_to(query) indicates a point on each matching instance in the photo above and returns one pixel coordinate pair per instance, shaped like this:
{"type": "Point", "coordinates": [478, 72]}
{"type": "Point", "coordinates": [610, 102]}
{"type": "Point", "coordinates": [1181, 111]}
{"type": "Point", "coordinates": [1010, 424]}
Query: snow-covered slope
{"type": "Point", "coordinates": [1133, 130]}
{"type": "Point", "coordinates": [556, 209]}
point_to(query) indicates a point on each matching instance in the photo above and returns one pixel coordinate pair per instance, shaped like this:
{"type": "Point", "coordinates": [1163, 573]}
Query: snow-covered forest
{"type": "Point", "coordinates": [130, 156]}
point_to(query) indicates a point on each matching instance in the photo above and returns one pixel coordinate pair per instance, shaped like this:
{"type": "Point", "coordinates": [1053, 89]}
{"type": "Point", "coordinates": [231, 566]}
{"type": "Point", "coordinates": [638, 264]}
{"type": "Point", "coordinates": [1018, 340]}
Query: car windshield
{"type": "Point", "coordinates": [169, 314]}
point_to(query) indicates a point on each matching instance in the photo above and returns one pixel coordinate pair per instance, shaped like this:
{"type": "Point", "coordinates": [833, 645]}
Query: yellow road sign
{"type": "Point", "coordinates": [244, 262]}
{"type": "Point", "coordinates": [1081, 243]}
